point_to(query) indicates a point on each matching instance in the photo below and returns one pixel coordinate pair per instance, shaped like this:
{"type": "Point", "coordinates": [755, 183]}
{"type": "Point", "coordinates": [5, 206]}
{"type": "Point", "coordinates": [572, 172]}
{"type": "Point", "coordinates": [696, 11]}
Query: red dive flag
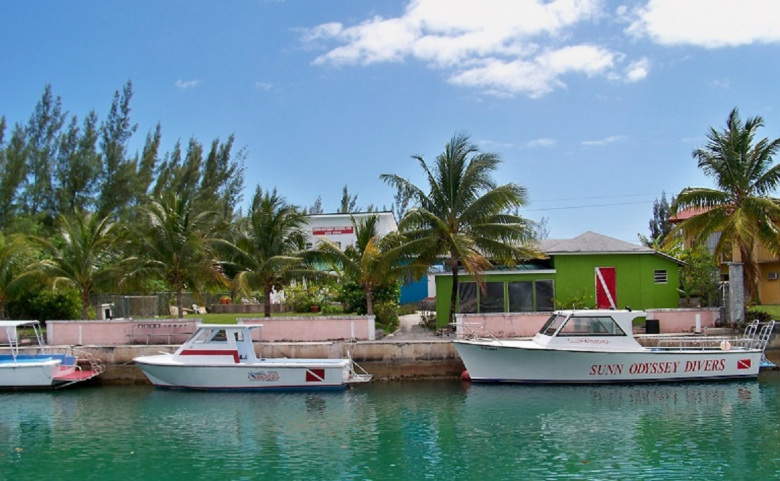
{"type": "Point", "coordinates": [743, 364]}
{"type": "Point", "coordinates": [315, 375]}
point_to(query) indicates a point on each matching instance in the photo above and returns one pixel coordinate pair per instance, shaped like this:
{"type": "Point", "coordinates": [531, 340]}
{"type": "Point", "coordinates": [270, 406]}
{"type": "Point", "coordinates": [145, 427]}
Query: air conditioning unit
{"type": "Point", "coordinates": [772, 276]}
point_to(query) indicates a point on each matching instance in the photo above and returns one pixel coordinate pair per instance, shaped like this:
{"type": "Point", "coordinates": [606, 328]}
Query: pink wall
{"type": "Point", "coordinates": [310, 329]}
{"type": "Point", "coordinates": [118, 332]}
{"type": "Point", "coordinates": [528, 324]}
{"type": "Point", "coordinates": [673, 321]}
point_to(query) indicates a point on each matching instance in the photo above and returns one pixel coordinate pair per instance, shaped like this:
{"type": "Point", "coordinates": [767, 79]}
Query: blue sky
{"type": "Point", "coordinates": [594, 106]}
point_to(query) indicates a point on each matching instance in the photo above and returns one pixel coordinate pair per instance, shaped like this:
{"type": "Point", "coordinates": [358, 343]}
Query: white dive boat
{"type": "Point", "coordinates": [222, 357]}
{"type": "Point", "coordinates": [25, 362]}
{"type": "Point", "coordinates": [598, 346]}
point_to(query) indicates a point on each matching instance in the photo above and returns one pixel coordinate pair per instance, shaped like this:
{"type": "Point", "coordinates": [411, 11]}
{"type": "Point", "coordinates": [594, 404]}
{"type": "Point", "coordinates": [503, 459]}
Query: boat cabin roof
{"type": "Point", "coordinates": [18, 323]}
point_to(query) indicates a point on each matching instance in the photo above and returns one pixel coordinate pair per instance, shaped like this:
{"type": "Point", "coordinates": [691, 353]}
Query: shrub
{"type": "Point", "coordinates": [386, 313]}
{"type": "Point", "coordinates": [353, 297]}
{"type": "Point", "coordinates": [47, 305]}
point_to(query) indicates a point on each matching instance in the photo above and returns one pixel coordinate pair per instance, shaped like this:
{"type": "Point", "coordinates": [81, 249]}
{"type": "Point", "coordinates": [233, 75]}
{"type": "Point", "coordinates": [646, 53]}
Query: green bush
{"type": "Point", "coordinates": [386, 313]}
{"type": "Point", "coordinates": [353, 297]}
{"type": "Point", "coordinates": [46, 305]}
{"type": "Point", "coordinates": [300, 298]}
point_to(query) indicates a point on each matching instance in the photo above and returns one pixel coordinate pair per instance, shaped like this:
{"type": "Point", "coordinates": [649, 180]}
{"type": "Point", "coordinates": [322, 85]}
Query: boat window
{"type": "Point", "coordinates": [210, 335]}
{"type": "Point", "coordinates": [552, 325]}
{"type": "Point", "coordinates": [591, 326]}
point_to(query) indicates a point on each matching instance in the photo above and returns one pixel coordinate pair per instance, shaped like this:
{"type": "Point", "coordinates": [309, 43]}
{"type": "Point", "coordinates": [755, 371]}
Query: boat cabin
{"type": "Point", "coordinates": [589, 330]}
{"type": "Point", "coordinates": [231, 342]}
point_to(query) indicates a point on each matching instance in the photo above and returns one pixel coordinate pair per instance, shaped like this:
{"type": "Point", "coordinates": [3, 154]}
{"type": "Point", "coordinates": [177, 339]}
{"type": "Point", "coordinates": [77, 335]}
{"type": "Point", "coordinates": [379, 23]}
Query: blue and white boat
{"type": "Point", "coordinates": [26, 363]}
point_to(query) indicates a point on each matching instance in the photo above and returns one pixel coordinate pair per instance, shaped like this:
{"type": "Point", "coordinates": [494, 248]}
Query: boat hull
{"type": "Point", "coordinates": [525, 362]}
{"type": "Point", "coordinates": [28, 373]}
{"type": "Point", "coordinates": [288, 374]}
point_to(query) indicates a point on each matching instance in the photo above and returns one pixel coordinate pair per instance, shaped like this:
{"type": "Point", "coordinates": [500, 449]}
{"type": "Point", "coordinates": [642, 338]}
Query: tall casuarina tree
{"type": "Point", "coordinates": [739, 207]}
{"type": "Point", "coordinates": [463, 216]}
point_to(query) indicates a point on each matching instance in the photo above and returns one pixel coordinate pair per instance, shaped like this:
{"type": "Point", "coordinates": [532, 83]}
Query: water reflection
{"type": "Point", "coordinates": [423, 430]}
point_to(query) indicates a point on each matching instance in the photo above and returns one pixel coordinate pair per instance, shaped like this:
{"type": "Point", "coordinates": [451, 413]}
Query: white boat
{"type": "Point", "coordinates": [26, 363]}
{"type": "Point", "coordinates": [222, 357]}
{"type": "Point", "coordinates": [598, 346]}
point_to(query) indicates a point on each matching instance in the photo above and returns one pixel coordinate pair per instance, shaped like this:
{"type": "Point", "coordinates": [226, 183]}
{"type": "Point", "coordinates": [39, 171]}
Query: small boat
{"type": "Point", "coordinates": [222, 357]}
{"type": "Point", "coordinates": [598, 346]}
{"type": "Point", "coordinates": [28, 364]}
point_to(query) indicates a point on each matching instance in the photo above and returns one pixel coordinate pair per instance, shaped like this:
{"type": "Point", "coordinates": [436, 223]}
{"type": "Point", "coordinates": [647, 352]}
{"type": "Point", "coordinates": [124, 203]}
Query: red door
{"type": "Point", "coordinates": [606, 292]}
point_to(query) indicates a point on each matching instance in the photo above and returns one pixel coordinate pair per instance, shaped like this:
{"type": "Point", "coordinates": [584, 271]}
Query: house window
{"type": "Point", "coordinates": [659, 276]}
{"type": "Point", "coordinates": [467, 297]}
{"type": "Point", "coordinates": [521, 296]}
{"type": "Point", "coordinates": [492, 300]}
{"type": "Point", "coordinates": [545, 293]}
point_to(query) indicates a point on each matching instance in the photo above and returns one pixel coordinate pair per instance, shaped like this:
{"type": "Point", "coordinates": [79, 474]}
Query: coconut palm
{"type": "Point", "coordinates": [374, 261]}
{"type": "Point", "coordinates": [463, 216]}
{"type": "Point", "coordinates": [84, 255]}
{"type": "Point", "coordinates": [176, 244]}
{"type": "Point", "coordinates": [269, 245]}
{"type": "Point", "coordinates": [739, 207]}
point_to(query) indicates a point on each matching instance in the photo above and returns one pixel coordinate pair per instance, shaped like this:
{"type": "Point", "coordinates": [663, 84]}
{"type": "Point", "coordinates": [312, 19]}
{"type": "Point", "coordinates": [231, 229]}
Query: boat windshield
{"type": "Point", "coordinates": [552, 324]}
{"type": "Point", "coordinates": [591, 326]}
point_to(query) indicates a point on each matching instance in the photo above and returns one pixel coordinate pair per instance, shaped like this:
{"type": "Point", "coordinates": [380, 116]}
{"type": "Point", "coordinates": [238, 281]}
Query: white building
{"type": "Point", "coordinates": [338, 228]}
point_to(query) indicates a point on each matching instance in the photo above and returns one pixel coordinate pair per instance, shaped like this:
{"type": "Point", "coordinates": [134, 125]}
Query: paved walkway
{"type": "Point", "coordinates": [411, 330]}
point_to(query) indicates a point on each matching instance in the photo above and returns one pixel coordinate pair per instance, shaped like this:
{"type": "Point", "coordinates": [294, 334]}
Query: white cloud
{"type": "Point", "coordinates": [708, 23]}
{"type": "Point", "coordinates": [264, 85]}
{"type": "Point", "coordinates": [608, 140]}
{"type": "Point", "coordinates": [503, 47]}
{"type": "Point", "coordinates": [637, 70]}
{"type": "Point", "coordinates": [187, 84]}
{"type": "Point", "coordinates": [544, 142]}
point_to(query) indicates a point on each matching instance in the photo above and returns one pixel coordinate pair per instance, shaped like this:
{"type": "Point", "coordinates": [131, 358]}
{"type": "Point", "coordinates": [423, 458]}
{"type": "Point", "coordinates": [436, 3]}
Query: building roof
{"type": "Point", "coordinates": [591, 243]}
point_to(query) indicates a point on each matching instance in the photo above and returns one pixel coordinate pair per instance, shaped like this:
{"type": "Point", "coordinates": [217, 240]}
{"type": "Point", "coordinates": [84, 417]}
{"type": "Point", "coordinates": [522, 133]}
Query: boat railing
{"type": "Point", "coordinates": [755, 337]}
{"type": "Point", "coordinates": [473, 331]}
{"type": "Point", "coordinates": [356, 373]}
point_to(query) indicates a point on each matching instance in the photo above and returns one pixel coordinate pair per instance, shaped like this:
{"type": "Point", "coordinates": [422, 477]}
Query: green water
{"type": "Point", "coordinates": [397, 431]}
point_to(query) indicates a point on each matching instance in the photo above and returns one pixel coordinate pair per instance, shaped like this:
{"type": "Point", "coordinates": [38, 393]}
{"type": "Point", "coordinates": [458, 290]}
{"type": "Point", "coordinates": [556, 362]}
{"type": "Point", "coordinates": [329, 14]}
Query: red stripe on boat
{"type": "Point", "coordinates": [196, 352]}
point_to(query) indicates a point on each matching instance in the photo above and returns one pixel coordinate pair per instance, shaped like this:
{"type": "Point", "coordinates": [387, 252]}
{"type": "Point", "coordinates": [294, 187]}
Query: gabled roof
{"type": "Point", "coordinates": [593, 243]}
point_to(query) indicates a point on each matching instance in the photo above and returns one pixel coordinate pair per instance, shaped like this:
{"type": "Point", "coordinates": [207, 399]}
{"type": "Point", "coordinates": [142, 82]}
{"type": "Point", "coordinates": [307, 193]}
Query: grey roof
{"type": "Point", "coordinates": [592, 243]}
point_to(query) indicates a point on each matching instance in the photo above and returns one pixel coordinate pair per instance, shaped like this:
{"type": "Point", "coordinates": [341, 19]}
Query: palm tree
{"type": "Point", "coordinates": [12, 250]}
{"type": "Point", "coordinates": [177, 245]}
{"type": "Point", "coordinates": [268, 248]}
{"type": "Point", "coordinates": [84, 256]}
{"type": "Point", "coordinates": [464, 216]}
{"type": "Point", "coordinates": [739, 206]}
{"type": "Point", "coordinates": [373, 261]}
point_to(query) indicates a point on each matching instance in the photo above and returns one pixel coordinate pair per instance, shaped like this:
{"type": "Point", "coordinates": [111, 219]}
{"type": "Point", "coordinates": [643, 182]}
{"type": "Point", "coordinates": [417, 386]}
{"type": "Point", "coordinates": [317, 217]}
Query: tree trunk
{"type": "Point", "coordinates": [85, 305]}
{"type": "Point", "coordinates": [267, 298]}
{"type": "Point", "coordinates": [180, 302]}
{"type": "Point", "coordinates": [369, 302]}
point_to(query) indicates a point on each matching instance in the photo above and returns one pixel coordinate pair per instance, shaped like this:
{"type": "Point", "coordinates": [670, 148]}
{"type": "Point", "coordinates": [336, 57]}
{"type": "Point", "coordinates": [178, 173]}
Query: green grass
{"type": "Point", "coordinates": [231, 318]}
{"type": "Point", "coordinates": [772, 310]}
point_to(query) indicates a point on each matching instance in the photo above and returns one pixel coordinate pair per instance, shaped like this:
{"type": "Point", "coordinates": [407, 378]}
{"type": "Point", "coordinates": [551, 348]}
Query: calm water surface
{"type": "Point", "coordinates": [397, 431]}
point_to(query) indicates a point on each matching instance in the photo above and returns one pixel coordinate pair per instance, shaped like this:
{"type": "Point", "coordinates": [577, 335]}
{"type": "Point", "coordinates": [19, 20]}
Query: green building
{"type": "Point", "coordinates": [589, 271]}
